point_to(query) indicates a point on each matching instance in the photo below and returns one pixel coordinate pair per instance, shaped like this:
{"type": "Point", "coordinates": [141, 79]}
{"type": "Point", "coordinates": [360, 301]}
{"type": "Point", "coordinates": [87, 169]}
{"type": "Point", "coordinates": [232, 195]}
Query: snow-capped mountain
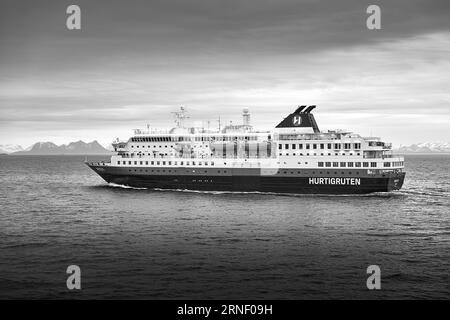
{"type": "Point", "coordinates": [9, 148]}
{"type": "Point", "coordinates": [79, 147]}
{"type": "Point", "coordinates": [425, 147]}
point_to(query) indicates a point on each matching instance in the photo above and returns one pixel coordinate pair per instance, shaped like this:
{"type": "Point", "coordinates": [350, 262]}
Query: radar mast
{"type": "Point", "coordinates": [180, 116]}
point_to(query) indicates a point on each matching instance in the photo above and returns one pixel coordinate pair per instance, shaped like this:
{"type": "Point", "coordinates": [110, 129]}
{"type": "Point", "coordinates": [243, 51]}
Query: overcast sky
{"type": "Point", "coordinates": [135, 62]}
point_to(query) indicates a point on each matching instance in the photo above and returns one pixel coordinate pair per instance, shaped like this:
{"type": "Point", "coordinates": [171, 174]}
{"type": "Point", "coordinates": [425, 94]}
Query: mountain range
{"type": "Point", "coordinates": [82, 148]}
{"type": "Point", "coordinates": [49, 148]}
{"type": "Point", "coordinates": [425, 147]}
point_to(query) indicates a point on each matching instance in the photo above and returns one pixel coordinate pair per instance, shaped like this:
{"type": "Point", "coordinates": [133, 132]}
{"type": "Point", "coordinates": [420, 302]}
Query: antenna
{"type": "Point", "coordinates": [180, 116]}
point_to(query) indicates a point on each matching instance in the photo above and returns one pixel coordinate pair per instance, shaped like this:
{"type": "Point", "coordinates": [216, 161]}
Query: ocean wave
{"type": "Point", "coordinates": [115, 185]}
{"type": "Point", "coordinates": [370, 195]}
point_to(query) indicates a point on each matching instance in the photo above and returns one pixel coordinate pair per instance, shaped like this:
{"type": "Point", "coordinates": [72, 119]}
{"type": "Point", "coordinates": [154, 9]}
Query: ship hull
{"type": "Point", "coordinates": [282, 181]}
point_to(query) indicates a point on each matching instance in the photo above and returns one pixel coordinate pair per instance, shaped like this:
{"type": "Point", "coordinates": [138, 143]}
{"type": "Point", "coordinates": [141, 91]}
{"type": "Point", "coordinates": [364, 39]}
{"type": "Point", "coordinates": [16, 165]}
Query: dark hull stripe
{"type": "Point", "coordinates": [276, 184]}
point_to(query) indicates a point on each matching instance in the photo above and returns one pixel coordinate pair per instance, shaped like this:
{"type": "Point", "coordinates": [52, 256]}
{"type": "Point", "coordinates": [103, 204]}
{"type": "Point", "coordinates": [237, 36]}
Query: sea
{"type": "Point", "coordinates": [130, 243]}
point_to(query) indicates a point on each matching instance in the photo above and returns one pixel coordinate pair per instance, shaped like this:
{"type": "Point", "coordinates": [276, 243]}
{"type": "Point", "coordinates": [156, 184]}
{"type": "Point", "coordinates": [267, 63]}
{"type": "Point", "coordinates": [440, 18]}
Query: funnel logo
{"type": "Point", "coordinates": [297, 120]}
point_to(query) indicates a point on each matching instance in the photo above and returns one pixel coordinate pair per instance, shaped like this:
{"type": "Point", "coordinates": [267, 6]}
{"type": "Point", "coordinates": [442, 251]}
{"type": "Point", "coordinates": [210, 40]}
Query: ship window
{"type": "Point", "coordinates": [343, 164]}
{"type": "Point", "coordinates": [293, 146]}
{"type": "Point", "coordinates": [350, 164]}
{"type": "Point", "coordinates": [146, 162]}
{"type": "Point", "coordinates": [373, 164]}
{"type": "Point", "coordinates": [300, 146]}
{"type": "Point", "coordinates": [337, 146]}
{"type": "Point", "coordinates": [328, 164]}
{"type": "Point", "coordinates": [164, 163]}
{"type": "Point", "coordinates": [320, 164]}
{"type": "Point", "coordinates": [322, 146]}
{"type": "Point", "coordinates": [135, 162]}
{"type": "Point", "coordinates": [129, 162]}
{"type": "Point", "coordinates": [157, 162]}
{"type": "Point", "coordinates": [365, 164]}
{"type": "Point", "coordinates": [329, 146]}
{"type": "Point", "coordinates": [335, 164]}
{"type": "Point", "coordinates": [387, 164]}
{"type": "Point", "coordinates": [140, 162]}
{"type": "Point", "coordinates": [314, 146]}
{"type": "Point", "coordinates": [181, 163]}
{"type": "Point", "coordinates": [286, 146]}
{"type": "Point", "coordinates": [152, 163]}
{"type": "Point", "coordinates": [307, 146]}
{"type": "Point", "coordinates": [124, 162]}
{"type": "Point", "coordinates": [170, 163]}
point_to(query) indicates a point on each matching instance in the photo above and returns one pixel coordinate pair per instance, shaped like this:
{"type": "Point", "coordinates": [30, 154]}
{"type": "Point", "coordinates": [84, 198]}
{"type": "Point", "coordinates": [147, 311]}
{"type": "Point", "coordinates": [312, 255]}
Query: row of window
{"type": "Point", "coordinates": [314, 146]}
{"type": "Point", "coordinates": [149, 146]}
{"type": "Point", "coordinates": [335, 164]}
{"type": "Point", "coordinates": [347, 164]}
{"type": "Point", "coordinates": [202, 138]}
{"type": "Point", "coordinates": [169, 163]}
{"type": "Point", "coordinates": [174, 171]}
{"type": "Point", "coordinates": [357, 164]}
{"type": "Point", "coordinates": [322, 154]}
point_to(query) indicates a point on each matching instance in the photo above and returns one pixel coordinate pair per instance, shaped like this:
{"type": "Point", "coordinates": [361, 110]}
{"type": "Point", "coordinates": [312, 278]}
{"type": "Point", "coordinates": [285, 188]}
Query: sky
{"type": "Point", "coordinates": [134, 62]}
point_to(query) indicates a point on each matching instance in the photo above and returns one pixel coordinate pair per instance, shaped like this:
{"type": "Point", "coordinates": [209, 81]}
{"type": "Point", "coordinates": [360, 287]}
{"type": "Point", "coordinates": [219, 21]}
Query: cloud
{"type": "Point", "coordinates": [136, 61]}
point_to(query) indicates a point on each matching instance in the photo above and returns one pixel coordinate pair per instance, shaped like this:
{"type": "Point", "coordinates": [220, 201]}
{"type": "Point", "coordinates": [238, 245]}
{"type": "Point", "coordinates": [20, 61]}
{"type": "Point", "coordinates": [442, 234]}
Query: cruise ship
{"type": "Point", "coordinates": [295, 157]}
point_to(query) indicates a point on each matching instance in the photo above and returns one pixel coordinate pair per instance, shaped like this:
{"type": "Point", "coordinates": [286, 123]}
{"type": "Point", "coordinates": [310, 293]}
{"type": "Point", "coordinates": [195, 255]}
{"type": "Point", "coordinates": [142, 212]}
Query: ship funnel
{"type": "Point", "coordinates": [300, 109]}
{"type": "Point", "coordinates": [300, 119]}
{"type": "Point", "coordinates": [309, 109]}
